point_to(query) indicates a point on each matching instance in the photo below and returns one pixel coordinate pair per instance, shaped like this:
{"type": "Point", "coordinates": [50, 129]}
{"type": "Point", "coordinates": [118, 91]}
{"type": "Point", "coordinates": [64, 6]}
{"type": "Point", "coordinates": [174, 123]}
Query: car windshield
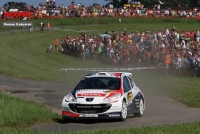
{"type": "Point", "coordinates": [99, 83]}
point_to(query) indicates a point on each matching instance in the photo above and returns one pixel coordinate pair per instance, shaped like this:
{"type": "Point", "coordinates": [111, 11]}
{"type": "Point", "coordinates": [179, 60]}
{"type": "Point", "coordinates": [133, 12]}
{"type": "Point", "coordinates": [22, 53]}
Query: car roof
{"type": "Point", "coordinates": [109, 74]}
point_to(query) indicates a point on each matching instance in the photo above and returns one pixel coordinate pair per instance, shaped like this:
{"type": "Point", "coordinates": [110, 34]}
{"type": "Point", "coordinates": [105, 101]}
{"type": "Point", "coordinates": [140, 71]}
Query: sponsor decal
{"type": "Point", "coordinates": [114, 115]}
{"type": "Point", "coordinates": [137, 103]}
{"type": "Point", "coordinates": [129, 96]}
{"type": "Point", "coordinates": [13, 10]}
{"type": "Point", "coordinates": [88, 107]}
{"type": "Point", "coordinates": [18, 14]}
{"type": "Point", "coordinates": [88, 115]}
{"type": "Point", "coordinates": [116, 108]}
{"type": "Point", "coordinates": [137, 99]}
{"type": "Point", "coordinates": [130, 102]}
{"type": "Point", "coordinates": [91, 94]}
{"type": "Point", "coordinates": [110, 91]}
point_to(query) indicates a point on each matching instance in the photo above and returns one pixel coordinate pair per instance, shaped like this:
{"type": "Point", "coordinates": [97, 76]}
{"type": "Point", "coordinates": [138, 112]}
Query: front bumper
{"type": "Point", "coordinates": [66, 114]}
{"type": "Point", "coordinates": [77, 110]}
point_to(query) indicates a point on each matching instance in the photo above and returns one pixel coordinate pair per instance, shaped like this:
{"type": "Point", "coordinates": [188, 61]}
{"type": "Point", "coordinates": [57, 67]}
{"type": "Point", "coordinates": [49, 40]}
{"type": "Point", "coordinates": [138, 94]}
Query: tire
{"type": "Point", "coordinates": [141, 109]}
{"type": "Point", "coordinates": [123, 111]}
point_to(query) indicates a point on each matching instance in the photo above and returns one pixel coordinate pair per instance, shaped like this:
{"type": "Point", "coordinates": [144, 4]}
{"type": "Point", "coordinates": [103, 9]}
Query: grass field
{"type": "Point", "coordinates": [23, 56]}
{"type": "Point", "coordinates": [110, 24]}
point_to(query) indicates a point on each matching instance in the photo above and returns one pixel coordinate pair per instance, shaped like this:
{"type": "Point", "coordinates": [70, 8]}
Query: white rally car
{"type": "Point", "coordinates": [104, 95]}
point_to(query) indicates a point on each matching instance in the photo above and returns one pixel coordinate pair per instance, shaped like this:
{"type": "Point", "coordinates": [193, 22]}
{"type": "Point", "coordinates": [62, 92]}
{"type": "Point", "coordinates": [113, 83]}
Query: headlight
{"type": "Point", "coordinates": [65, 108]}
{"type": "Point", "coordinates": [113, 98]}
{"type": "Point", "coordinates": [70, 98]}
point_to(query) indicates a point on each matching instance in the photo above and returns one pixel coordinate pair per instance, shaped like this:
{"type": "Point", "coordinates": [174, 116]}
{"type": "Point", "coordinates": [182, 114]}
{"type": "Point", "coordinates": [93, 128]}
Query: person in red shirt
{"type": "Point", "coordinates": [56, 43]}
{"type": "Point", "coordinates": [48, 27]}
{"type": "Point", "coordinates": [167, 61]}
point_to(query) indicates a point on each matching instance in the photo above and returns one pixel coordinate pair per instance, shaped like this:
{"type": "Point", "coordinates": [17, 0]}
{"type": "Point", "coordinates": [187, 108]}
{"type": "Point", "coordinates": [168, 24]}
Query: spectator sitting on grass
{"type": "Point", "coordinates": [49, 48]}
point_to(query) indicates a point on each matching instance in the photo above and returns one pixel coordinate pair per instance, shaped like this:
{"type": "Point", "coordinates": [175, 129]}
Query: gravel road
{"type": "Point", "coordinates": [160, 109]}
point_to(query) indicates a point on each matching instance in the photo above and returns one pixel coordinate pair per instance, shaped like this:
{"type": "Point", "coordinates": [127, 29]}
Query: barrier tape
{"type": "Point", "coordinates": [107, 69]}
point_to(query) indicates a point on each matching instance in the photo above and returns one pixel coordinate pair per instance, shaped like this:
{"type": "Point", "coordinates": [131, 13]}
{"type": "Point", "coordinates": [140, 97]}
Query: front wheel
{"type": "Point", "coordinates": [123, 111]}
{"type": "Point", "coordinates": [141, 109]}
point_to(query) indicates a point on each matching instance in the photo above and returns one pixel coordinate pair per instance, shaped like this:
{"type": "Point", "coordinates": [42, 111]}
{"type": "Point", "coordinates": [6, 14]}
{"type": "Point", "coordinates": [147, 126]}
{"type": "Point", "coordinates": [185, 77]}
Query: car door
{"type": "Point", "coordinates": [127, 89]}
{"type": "Point", "coordinates": [133, 87]}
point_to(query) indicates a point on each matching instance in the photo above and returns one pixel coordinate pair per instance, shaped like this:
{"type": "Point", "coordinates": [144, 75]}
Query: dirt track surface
{"type": "Point", "coordinates": [160, 109]}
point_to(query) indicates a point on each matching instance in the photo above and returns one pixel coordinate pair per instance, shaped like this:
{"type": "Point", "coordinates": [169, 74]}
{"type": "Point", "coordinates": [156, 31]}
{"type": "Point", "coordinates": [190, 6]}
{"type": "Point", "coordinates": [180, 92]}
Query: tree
{"type": "Point", "coordinates": [116, 3]}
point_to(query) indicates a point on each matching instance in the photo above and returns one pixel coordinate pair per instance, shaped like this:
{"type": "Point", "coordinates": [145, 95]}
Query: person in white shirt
{"type": "Point", "coordinates": [83, 45]}
{"type": "Point", "coordinates": [197, 36]}
{"type": "Point", "coordinates": [49, 48]}
{"type": "Point", "coordinates": [166, 31]}
{"type": "Point", "coordinates": [1, 12]}
{"type": "Point", "coordinates": [178, 63]}
{"type": "Point", "coordinates": [183, 45]}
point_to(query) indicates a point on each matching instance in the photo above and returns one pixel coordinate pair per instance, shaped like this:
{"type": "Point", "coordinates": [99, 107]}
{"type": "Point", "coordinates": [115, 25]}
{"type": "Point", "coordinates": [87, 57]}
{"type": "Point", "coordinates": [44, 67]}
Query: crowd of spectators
{"type": "Point", "coordinates": [20, 6]}
{"type": "Point", "coordinates": [148, 48]}
{"type": "Point", "coordinates": [80, 10]}
{"type": "Point", "coordinates": [95, 10]}
{"type": "Point", "coordinates": [166, 48]}
{"type": "Point", "coordinates": [49, 4]}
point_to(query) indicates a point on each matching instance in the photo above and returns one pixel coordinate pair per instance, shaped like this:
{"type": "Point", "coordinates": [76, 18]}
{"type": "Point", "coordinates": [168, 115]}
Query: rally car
{"type": "Point", "coordinates": [104, 95]}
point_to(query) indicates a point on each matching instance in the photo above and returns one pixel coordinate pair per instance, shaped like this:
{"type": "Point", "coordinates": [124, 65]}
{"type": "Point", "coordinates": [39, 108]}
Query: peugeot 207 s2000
{"type": "Point", "coordinates": [104, 95]}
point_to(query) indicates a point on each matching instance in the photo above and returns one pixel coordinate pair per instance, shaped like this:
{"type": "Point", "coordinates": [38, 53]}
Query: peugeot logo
{"type": "Point", "coordinates": [89, 99]}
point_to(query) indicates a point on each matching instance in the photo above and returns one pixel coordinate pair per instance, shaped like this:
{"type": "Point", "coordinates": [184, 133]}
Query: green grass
{"type": "Point", "coordinates": [183, 89]}
{"type": "Point", "coordinates": [185, 128]}
{"type": "Point", "coordinates": [23, 56]}
{"type": "Point", "coordinates": [109, 23]}
{"type": "Point", "coordinates": [15, 112]}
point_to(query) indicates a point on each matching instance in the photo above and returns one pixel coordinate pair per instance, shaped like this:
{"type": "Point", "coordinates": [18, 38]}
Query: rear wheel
{"type": "Point", "coordinates": [123, 111]}
{"type": "Point", "coordinates": [141, 109]}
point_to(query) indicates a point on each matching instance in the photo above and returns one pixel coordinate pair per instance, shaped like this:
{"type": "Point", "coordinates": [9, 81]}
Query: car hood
{"type": "Point", "coordinates": [93, 96]}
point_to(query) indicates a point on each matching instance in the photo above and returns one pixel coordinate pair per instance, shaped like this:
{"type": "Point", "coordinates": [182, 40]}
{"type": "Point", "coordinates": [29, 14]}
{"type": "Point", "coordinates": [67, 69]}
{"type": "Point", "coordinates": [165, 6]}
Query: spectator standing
{"type": "Point", "coordinates": [179, 63]}
{"type": "Point", "coordinates": [48, 27]}
{"type": "Point", "coordinates": [191, 60]}
{"type": "Point", "coordinates": [56, 43]}
{"type": "Point", "coordinates": [196, 64]}
{"type": "Point", "coordinates": [1, 14]}
{"type": "Point", "coordinates": [167, 61]}
{"type": "Point", "coordinates": [31, 29]}
{"type": "Point", "coordinates": [42, 26]}
{"type": "Point", "coordinates": [197, 36]}
{"type": "Point", "coordinates": [87, 52]}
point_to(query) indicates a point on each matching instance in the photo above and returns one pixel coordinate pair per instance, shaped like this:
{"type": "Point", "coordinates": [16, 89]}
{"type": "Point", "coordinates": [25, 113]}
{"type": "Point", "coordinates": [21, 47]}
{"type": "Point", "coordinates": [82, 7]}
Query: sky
{"type": "Point", "coordinates": [58, 2]}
